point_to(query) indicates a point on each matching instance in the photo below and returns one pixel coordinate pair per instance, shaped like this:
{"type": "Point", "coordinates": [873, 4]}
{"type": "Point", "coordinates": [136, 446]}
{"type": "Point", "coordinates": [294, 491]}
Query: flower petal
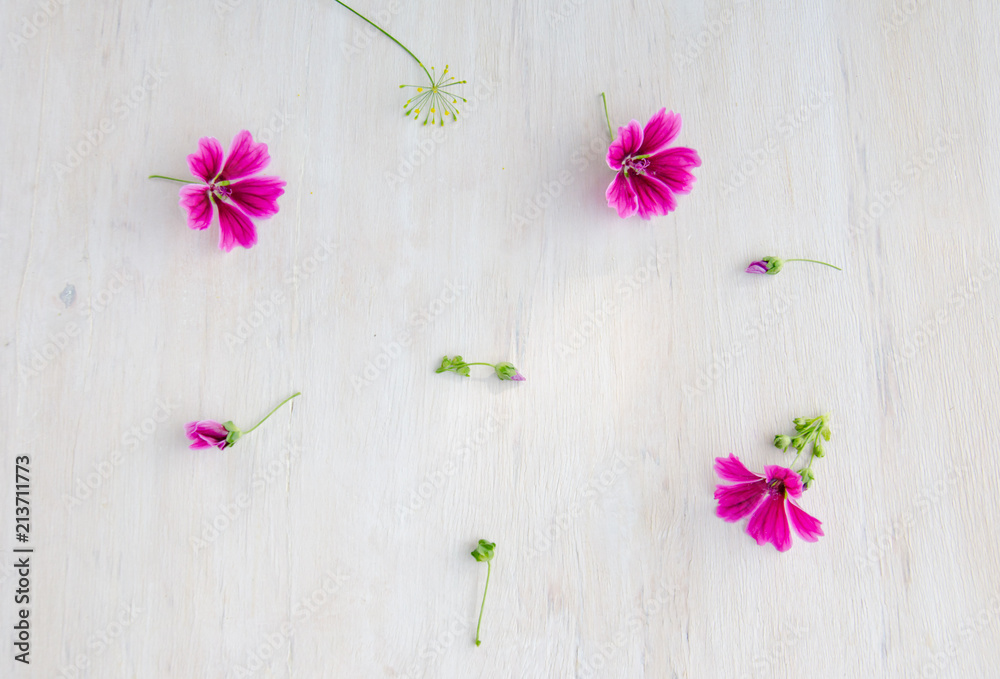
{"type": "Point", "coordinates": [206, 434]}
{"type": "Point", "coordinates": [769, 523]}
{"type": "Point", "coordinates": [625, 144]}
{"type": "Point", "coordinates": [671, 167]}
{"type": "Point", "coordinates": [235, 227]}
{"type": "Point", "coordinates": [737, 501]}
{"type": "Point", "coordinates": [660, 131]}
{"type": "Point", "coordinates": [245, 157]}
{"type": "Point", "coordinates": [621, 196]}
{"type": "Point", "coordinates": [195, 200]}
{"type": "Point", "coordinates": [258, 196]}
{"type": "Point", "coordinates": [757, 267]}
{"type": "Point", "coordinates": [731, 469]}
{"type": "Point", "coordinates": [207, 162]}
{"type": "Point", "coordinates": [655, 198]}
{"type": "Point", "coordinates": [807, 526]}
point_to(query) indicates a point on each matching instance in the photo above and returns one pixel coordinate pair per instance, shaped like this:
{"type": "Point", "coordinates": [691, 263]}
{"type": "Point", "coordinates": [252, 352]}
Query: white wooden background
{"type": "Point", "coordinates": [334, 541]}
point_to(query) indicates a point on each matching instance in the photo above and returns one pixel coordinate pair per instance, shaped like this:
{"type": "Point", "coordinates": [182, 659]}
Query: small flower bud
{"type": "Point", "coordinates": [782, 442]}
{"type": "Point", "coordinates": [798, 443]}
{"type": "Point", "coordinates": [818, 449]}
{"type": "Point", "coordinates": [807, 477]}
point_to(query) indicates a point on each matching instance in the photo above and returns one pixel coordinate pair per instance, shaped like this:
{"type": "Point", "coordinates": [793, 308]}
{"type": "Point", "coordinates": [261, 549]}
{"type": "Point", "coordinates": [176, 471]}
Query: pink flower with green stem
{"type": "Point", "coordinates": [435, 99]}
{"type": "Point", "coordinates": [772, 265]}
{"type": "Point", "coordinates": [650, 173]}
{"type": "Point", "coordinates": [222, 435]}
{"type": "Point", "coordinates": [231, 188]}
{"type": "Point", "coordinates": [770, 500]}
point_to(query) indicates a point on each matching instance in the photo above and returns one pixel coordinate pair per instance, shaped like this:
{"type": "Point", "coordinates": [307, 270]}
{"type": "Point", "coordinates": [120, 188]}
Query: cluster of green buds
{"type": "Point", "coordinates": [455, 364]}
{"type": "Point", "coordinates": [808, 433]}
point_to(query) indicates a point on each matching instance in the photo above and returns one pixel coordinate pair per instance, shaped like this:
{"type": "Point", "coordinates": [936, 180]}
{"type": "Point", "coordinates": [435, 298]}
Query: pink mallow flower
{"type": "Point", "coordinates": [229, 187]}
{"type": "Point", "coordinates": [206, 434]}
{"type": "Point", "coordinates": [649, 173]}
{"type": "Point", "coordinates": [764, 497]}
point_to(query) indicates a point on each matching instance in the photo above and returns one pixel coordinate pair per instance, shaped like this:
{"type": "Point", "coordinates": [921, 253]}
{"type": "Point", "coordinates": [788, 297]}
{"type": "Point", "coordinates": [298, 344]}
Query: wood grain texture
{"type": "Point", "coordinates": [335, 539]}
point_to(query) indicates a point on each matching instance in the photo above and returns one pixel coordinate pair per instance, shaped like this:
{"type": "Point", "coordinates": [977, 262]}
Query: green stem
{"type": "Point", "coordinates": [182, 181]}
{"type": "Point", "coordinates": [489, 567]}
{"type": "Point", "coordinates": [272, 412]}
{"type": "Point", "coordinates": [607, 117]}
{"type": "Point", "coordinates": [815, 261]}
{"type": "Point", "coordinates": [489, 364]}
{"type": "Point", "coordinates": [382, 31]}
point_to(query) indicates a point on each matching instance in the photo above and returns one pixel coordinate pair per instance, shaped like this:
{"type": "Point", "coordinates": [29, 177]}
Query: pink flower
{"type": "Point", "coordinates": [764, 497]}
{"type": "Point", "coordinates": [757, 267]}
{"type": "Point", "coordinates": [231, 189]}
{"type": "Point", "coordinates": [207, 433]}
{"type": "Point", "coordinates": [649, 173]}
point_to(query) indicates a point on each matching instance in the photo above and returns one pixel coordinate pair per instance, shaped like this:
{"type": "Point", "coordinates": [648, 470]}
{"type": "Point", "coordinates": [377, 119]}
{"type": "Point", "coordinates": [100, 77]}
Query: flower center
{"type": "Point", "coordinates": [637, 165]}
{"type": "Point", "coordinates": [776, 487]}
{"type": "Point", "coordinates": [223, 193]}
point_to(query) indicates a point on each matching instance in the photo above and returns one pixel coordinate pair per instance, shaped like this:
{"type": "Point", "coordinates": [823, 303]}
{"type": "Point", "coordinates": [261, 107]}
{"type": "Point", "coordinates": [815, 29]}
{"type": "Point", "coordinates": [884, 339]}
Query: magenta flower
{"type": "Point", "coordinates": [649, 173]}
{"type": "Point", "coordinates": [207, 433]}
{"type": "Point", "coordinates": [230, 188]}
{"type": "Point", "coordinates": [757, 267]}
{"type": "Point", "coordinates": [764, 497]}
{"type": "Point", "coordinates": [222, 435]}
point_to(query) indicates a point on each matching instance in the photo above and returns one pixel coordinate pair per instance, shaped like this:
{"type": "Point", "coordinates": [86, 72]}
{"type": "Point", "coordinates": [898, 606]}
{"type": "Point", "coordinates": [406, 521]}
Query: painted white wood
{"type": "Point", "coordinates": [863, 134]}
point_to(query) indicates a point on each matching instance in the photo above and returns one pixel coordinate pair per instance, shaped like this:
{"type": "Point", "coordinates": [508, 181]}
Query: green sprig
{"type": "Point", "coordinates": [484, 552]}
{"type": "Point", "coordinates": [808, 433]}
{"type": "Point", "coordinates": [503, 370]}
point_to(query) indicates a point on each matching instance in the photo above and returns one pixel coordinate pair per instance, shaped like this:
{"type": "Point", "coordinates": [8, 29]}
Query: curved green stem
{"type": "Point", "coordinates": [272, 412]}
{"type": "Point", "coordinates": [182, 181]}
{"type": "Point", "coordinates": [815, 261]}
{"type": "Point", "coordinates": [489, 364]}
{"type": "Point", "coordinates": [489, 567]}
{"type": "Point", "coordinates": [607, 117]}
{"type": "Point", "coordinates": [383, 32]}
